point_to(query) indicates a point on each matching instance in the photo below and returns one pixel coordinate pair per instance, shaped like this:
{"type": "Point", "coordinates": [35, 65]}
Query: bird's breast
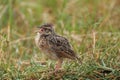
{"type": "Point", "coordinates": [43, 44]}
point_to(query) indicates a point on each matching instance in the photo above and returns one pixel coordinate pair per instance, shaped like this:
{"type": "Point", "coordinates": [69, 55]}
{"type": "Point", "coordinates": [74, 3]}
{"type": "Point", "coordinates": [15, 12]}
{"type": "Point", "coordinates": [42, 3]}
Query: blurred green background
{"type": "Point", "coordinates": [92, 27]}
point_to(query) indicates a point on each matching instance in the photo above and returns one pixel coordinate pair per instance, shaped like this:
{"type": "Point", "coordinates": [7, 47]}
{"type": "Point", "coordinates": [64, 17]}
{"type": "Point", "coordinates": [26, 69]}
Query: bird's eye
{"type": "Point", "coordinates": [48, 31]}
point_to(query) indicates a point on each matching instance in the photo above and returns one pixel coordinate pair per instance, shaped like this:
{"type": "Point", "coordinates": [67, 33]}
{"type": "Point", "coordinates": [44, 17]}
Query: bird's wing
{"type": "Point", "coordinates": [61, 46]}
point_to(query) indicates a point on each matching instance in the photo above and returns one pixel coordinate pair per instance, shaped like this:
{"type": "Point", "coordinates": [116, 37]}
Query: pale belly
{"type": "Point", "coordinates": [51, 55]}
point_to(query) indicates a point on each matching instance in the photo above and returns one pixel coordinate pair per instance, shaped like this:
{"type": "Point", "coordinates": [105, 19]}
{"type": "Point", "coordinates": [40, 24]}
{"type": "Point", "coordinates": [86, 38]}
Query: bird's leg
{"type": "Point", "coordinates": [58, 64]}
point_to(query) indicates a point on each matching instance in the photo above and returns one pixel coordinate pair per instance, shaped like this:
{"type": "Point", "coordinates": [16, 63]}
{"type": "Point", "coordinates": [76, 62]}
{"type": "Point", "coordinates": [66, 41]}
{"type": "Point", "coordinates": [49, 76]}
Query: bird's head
{"type": "Point", "coordinates": [45, 29]}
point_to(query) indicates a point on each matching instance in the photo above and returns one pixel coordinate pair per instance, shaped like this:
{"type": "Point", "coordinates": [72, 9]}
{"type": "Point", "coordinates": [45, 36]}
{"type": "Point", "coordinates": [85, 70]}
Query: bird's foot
{"type": "Point", "coordinates": [58, 68]}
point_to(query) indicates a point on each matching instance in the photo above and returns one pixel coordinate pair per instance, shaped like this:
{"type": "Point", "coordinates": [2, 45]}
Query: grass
{"type": "Point", "coordinates": [92, 28]}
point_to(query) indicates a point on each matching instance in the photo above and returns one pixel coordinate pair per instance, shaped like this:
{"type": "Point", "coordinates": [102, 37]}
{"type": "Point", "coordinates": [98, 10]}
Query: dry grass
{"type": "Point", "coordinates": [92, 27]}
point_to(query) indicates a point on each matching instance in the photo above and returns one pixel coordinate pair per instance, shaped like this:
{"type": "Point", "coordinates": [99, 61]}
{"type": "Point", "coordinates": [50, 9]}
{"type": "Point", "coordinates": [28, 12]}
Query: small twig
{"type": "Point", "coordinates": [31, 37]}
{"type": "Point", "coordinates": [94, 41]}
{"type": "Point", "coordinates": [21, 39]}
{"type": "Point", "coordinates": [3, 11]}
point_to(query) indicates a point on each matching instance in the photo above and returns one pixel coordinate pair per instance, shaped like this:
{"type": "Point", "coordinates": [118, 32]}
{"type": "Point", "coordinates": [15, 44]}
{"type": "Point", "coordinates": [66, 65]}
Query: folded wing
{"type": "Point", "coordinates": [62, 48]}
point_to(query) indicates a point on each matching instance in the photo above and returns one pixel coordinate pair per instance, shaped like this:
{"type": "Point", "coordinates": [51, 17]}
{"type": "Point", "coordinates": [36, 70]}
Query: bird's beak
{"type": "Point", "coordinates": [37, 29]}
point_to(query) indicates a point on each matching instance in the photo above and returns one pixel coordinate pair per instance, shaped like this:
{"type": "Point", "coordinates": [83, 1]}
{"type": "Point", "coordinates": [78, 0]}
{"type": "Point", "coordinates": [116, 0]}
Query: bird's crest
{"type": "Point", "coordinates": [48, 25]}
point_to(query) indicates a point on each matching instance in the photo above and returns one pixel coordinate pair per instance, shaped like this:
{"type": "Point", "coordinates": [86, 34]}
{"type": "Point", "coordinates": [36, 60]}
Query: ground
{"type": "Point", "coordinates": [92, 27]}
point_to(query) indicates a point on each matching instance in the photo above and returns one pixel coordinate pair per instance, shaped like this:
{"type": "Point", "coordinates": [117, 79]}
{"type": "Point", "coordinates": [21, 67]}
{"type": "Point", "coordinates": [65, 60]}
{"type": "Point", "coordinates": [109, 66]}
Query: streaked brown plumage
{"type": "Point", "coordinates": [54, 46]}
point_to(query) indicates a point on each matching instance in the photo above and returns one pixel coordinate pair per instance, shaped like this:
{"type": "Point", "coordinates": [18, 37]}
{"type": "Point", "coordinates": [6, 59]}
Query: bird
{"type": "Point", "coordinates": [54, 46]}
